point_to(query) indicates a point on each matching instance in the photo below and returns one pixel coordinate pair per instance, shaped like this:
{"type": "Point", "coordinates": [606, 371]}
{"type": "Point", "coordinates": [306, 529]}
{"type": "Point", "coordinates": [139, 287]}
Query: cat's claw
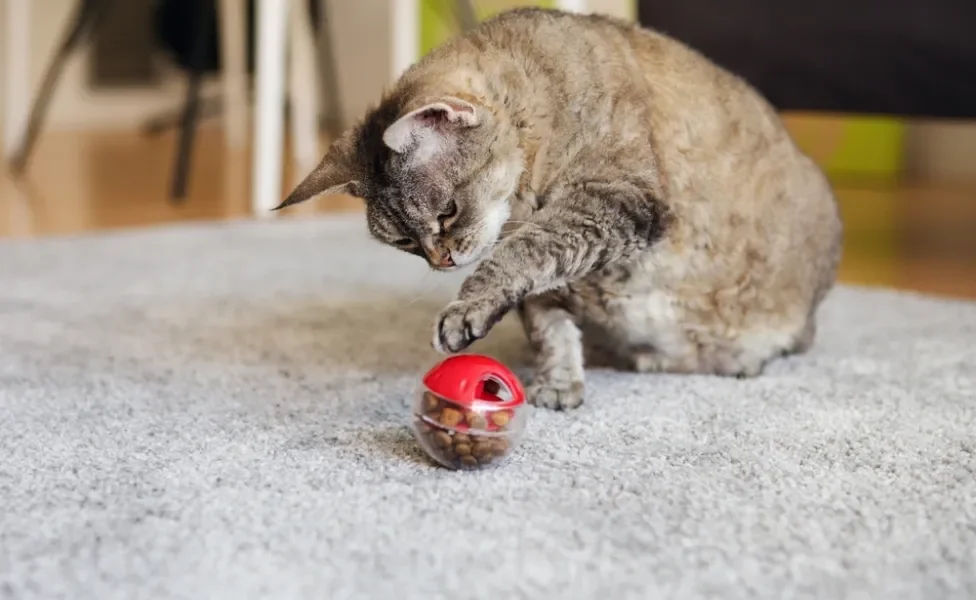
{"type": "Point", "coordinates": [463, 322]}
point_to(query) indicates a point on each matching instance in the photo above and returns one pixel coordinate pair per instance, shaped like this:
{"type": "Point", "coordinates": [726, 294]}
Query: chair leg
{"type": "Point", "coordinates": [86, 17]}
{"type": "Point", "coordinates": [191, 107]}
{"type": "Point", "coordinates": [172, 119]}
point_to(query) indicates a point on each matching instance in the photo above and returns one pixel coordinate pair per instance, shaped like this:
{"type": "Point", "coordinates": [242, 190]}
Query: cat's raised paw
{"type": "Point", "coordinates": [556, 396]}
{"type": "Point", "coordinates": [463, 322]}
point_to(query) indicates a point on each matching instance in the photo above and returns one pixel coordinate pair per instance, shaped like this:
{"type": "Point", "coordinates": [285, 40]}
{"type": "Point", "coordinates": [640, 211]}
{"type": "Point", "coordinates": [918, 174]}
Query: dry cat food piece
{"type": "Point", "coordinates": [461, 450]}
{"type": "Point", "coordinates": [469, 412]}
{"type": "Point", "coordinates": [500, 418]}
{"type": "Point", "coordinates": [463, 438]}
{"type": "Point", "coordinates": [431, 402]}
{"type": "Point", "coordinates": [452, 416]}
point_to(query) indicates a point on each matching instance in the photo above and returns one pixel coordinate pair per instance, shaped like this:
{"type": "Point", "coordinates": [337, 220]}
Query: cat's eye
{"type": "Point", "coordinates": [449, 213]}
{"type": "Point", "coordinates": [404, 243]}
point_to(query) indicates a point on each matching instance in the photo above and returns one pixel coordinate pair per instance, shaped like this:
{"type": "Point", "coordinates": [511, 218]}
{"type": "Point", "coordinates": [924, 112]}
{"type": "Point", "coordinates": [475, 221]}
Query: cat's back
{"type": "Point", "coordinates": [616, 76]}
{"type": "Point", "coordinates": [593, 51]}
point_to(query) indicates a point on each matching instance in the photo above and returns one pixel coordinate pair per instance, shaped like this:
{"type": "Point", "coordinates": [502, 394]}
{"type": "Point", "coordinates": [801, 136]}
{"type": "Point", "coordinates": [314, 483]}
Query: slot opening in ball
{"type": "Point", "coordinates": [492, 389]}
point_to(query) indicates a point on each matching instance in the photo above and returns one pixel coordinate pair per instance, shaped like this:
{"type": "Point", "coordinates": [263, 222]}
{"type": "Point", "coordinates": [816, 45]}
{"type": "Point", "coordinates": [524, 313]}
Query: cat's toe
{"type": "Point", "coordinates": [451, 332]}
{"type": "Point", "coordinates": [556, 395]}
{"type": "Point", "coordinates": [461, 323]}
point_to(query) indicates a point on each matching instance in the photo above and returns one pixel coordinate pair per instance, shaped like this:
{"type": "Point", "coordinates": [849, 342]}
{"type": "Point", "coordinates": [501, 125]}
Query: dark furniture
{"type": "Point", "coordinates": [888, 57]}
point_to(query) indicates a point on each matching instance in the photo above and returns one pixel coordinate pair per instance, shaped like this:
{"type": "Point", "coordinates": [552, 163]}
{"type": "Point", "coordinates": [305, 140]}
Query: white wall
{"type": "Point", "coordinates": [365, 51]}
{"type": "Point", "coordinates": [941, 149]}
{"type": "Point", "coordinates": [362, 37]}
{"type": "Point", "coordinates": [74, 105]}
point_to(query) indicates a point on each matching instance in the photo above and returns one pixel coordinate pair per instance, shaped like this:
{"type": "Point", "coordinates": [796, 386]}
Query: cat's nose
{"type": "Point", "coordinates": [440, 257]}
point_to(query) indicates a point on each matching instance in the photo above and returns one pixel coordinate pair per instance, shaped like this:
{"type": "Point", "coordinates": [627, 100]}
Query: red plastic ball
{"type": "Point", "coordinates": [469, 412]}
{"type": "Point", "coordinates": [470, 381]}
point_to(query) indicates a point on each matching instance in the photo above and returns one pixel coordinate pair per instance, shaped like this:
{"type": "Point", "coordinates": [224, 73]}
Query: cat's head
{"type": "Point", "coordinates": [436, 173]}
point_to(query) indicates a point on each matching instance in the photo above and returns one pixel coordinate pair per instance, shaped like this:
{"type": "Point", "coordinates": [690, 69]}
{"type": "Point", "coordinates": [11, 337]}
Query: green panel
{"type": "Point", "coordinates": [851, 145]}
{"type": "Point", "coordinates": [437, 23]}
{"type": "Point", "coordinates": [870, 146]}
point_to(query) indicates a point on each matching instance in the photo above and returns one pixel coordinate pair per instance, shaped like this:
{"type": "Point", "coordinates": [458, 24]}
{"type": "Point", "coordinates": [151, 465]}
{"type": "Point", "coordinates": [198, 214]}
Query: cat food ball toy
{"type": "Point", "coordinates": [469, 412]}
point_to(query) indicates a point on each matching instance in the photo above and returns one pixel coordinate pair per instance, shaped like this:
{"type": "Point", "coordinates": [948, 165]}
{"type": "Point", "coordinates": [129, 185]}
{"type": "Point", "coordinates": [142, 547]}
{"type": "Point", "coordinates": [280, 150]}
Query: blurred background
{"type": "Point", "coordinates": [135, 113]}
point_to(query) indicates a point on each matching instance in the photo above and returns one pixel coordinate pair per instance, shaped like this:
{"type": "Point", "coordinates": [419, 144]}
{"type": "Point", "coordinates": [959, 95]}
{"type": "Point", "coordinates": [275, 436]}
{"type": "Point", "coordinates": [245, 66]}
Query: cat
{"type": "Point", "coordinates": [633, 201]}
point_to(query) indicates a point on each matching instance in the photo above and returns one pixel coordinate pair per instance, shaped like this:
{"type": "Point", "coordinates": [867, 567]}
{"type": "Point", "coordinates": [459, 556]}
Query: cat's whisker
{"type": "Point", "coordinates": [416, 299]}
{"type": "Point", "coordinates": [528, 223]}
{"type": "Point", "coordinates": [421, 295]}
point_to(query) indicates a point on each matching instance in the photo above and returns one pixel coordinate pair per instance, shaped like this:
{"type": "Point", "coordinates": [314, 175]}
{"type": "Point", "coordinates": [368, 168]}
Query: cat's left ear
{"type": "Point", "coordinates": [432, 129]}
{"type": "Point", "coordinates": [335, 174]}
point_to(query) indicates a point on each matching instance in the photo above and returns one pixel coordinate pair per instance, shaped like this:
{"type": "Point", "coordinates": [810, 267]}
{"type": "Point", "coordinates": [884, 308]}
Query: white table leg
{"type": "Point", "coordinates": [233, 55]}
{"type": "Point", "coordinates": [405, 31]}
{"type": "Point", "coordinates": [579, 6]}
{"type": "Point", "coordinates": [17, 78]}
{"type": "Point", "coordinates": [303, 92]}
{"type": "Point", "coordinates": [272, 26]}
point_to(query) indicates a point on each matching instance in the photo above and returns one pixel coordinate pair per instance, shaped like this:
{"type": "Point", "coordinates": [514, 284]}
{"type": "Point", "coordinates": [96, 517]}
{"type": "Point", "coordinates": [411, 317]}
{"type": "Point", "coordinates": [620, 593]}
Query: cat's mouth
{"type": "Point", "coordinates": [472, 246]}
{"type": "Point", "coordinates": [460, 260]}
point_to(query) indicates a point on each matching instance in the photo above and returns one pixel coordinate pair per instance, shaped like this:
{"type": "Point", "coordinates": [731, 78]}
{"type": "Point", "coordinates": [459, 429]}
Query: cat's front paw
{"type": "Point", "coordinates": [462, 322]}
{"type": "Point", "coordinates": [556, 395]}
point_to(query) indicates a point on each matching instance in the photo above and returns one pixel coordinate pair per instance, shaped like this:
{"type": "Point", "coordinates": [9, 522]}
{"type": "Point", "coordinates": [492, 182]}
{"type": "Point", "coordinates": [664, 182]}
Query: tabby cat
{"type": "Point", "coordinates": [629, 198]}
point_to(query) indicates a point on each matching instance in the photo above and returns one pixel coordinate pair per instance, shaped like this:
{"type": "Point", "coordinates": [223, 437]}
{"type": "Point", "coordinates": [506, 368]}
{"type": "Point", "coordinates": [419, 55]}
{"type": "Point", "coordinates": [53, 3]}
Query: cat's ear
{"type": "Point", "coordinates": [432, 129]}
{"type": "Point", "coordinates": [335, 174]}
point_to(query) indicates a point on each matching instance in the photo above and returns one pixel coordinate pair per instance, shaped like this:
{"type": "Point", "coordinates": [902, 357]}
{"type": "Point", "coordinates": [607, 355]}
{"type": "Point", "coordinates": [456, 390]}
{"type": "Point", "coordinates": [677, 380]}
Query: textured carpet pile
{"type": "Point", "coordinates": [219, 411]}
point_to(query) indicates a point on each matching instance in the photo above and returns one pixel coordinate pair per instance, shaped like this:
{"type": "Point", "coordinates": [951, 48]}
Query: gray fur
{"type": "Point", "coordinates": [633, 201]}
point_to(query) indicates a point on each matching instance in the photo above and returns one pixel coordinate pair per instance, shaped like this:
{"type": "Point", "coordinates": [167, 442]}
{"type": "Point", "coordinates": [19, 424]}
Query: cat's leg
{"type": "Point", "coordinates": [648, 360]}
{"type": "Point", "coordinates": [744, 356]}
{"type": "Point", "coordinates": [557, 342]}
{"type": "Point", "coordinates": [805, 339]}
{"type": "Point", "coordinates": [594, 227]}
{"type": "Point", "coordinates": [752, 353]}
{"type": "Point", "coordinates": [723, 363]}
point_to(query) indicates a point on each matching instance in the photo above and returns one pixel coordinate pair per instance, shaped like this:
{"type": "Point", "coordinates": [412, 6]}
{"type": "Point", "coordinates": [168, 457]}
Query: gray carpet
{"type": "Point", "coordinates": [217, 411]}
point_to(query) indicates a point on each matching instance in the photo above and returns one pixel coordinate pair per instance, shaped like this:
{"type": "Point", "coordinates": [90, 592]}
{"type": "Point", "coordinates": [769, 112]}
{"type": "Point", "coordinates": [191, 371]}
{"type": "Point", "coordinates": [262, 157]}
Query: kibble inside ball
{"type": "Point", "coordinates": [461, 437]}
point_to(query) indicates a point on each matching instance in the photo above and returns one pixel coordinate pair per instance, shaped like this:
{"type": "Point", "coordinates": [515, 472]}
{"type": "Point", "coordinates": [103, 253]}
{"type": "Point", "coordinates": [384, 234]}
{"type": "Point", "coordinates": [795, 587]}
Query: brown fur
{"type": "Point", "coordinates": [620, 190]}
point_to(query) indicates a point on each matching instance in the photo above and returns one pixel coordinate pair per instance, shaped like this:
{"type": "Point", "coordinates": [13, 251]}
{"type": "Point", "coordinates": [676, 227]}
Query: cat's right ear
{"type": "Point", "coordinates": [335, 174]}
{"type": "Point", "coordinates": [430, 130]}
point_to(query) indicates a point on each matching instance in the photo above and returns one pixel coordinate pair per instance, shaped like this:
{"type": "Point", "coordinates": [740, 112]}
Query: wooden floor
{"type": "Point", "coordinates": [911, 235]}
